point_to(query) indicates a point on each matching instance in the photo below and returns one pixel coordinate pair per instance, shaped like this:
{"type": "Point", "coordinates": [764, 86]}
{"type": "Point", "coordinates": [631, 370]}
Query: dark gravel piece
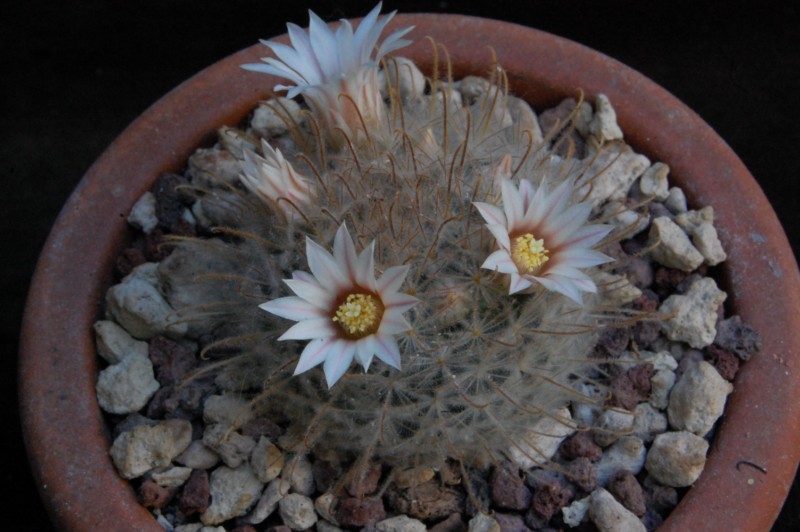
{"type": "Point", "coordinates": [507, 488]}
{"type": "Point", "coordinates": [360, 512]}
{"type": "Point", "coordinates": [427, 501]}
{"type": "Point", "coordinates": [196, 494]}
{"type": "Point", "coordinates": [627, 490]}
{"type": "Point", "coordinates": [581, 444]}
{"type": "Point", "coordinates": [737, 337]}
{"type": "Point", "coordinates": [727, 363]}
{"type": "Point", "coordinates": [453, 523]}
{"type": "Point", "coordinates": [583, 473]}
{"type": "Point", "coordinates": [550, 498]}
{"type": "Point", "coordinates": [153, 496]}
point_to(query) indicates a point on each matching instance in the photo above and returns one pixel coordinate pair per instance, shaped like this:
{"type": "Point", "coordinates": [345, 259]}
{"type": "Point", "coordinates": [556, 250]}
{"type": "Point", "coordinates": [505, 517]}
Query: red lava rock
{"type": "Point", "coordinates": [129, 259]}
{"type": "Point", "coordinates": [510, 522]}
{"type": "Point", "coordinates": [454, 523]}
{"type": "Point", "coordinates": [152, 495]}
{"type": "Point", "coordinates": [612, 342]}
{"type": "Point", "coordinates": [325, 474]}
{"type": "Point", "coordinates": [631, 387]}
{"type": "Point", "coordinates": [251, 528]}
{"type": "Point", "coordinates": [689, 359]}
{"type": "Point", "coordinates": [360, 512]}
{"type": "Point", "coordinates": [261, 426]}
{"type": "Point", "coordinates": [549, 498]}
{"type": "Point", "coordinates": [581, 444]}
{"type": "Point", "coordinates": [507, 488]}
{"type": "Point", "coordinates": [172, 361]}
{"type": "Point", "coordinates": [583, 473]}
{"type": "Point", "coordinates": [661, 499]}
{"type": "Point", "coordinates": [666, 279]}
{"type": "Point", "coordinates": [364, 482]}
{"type": "Point", "coordinates": [156, 247]}
{"type": "Point", "coordinates": [171, 196]}
{"type": "Point", "coordinates": [196, 495]}
{"type": "Point", "coordinates": [727, 363]}
{"type": "Point", "coordinates": [427, 501]}
{"type": "Point", "coordinates": [627, 490]}
{"type": "Point", "coordinates": [479, 501]}
{"type": "Point", "coordinates": [737, 337]}
{"type": "Point", "coordinates": [558, 117]}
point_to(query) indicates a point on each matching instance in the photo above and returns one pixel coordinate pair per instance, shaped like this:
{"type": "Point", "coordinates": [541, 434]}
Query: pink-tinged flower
{"type": "Point", "coordinates": [343, 309]}
{"type": "Point", "coordinates": [543, 239]}
{"type": "Point", "coordinates": [334, 70]}
{"type": "Point", "coordinates": [272, 178]}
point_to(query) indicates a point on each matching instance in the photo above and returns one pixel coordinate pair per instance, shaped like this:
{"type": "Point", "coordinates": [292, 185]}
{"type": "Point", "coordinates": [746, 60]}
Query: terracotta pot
{"type": "Point", "coordinates": [66, 435]}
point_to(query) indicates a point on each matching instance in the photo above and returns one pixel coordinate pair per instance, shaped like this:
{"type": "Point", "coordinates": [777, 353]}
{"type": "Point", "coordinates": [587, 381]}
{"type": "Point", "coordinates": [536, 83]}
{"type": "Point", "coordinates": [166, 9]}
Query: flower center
{"type": "Point", "coordinates": [359, 315]}
{"type": "Point", "coordinates": [528, 253]}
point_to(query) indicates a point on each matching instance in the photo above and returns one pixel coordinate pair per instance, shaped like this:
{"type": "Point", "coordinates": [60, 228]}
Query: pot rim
{"type": "Point", "coordinates": [58, 367]}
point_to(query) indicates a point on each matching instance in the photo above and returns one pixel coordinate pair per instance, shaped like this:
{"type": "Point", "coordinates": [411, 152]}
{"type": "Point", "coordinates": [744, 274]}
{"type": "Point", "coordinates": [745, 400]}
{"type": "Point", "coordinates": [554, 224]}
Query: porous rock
{"type": "Point", "coordinates": [542, 440]}
{"type": "Point", "coordinates": [483, 523]}
{"type": "Point", "coordinates": [400, 523]}
{"type": "Point", "coordinates": [706, 240]}
{"type": "Point", "coordinates": [611, 516]}
{"type": "Point", "coordinates": [141, 310]}
{"type": "Point", "coordinates": [677, 459]}
{"type": "Point", "coordinates": [300, 475]}
{"type": "Point", "coordinates": [227, 409]}
{"type": "Point", "coordinates": [114, 343]}
{"type": "Point", "coordinates": [507, 488]}
{"type": "Point", "coordinates": [626, 454]}
{"type": "Point", "coordinates": [660, 387]}
{"type": "Point", "coordinates": [146, 447]}
{"type": "Point", "coordinates": [266, 460]}
{"type": "Point", "coordinates": [698, 399]}
{"type": "Point", "coordinates": [648, 422]}
{"type": "Point", "coordinates": [737, 337]}
{"type": "Point", "coordinates": [233, 492]}
{"type": "Point", "coordinates": [654, 182]}
{"type": "Point", "coordinates": [403, 75]}
{"type": "Point", "coordinates": [297, 511]}
{"type": "Point", "coordinates": [198, 456]}
{"type": "Point", "coordinates": [232, 447]}
{"type": "Point", "coordinates": [172, 477]}
{"type": "Point", "coordinates": [676, 201]}
{"type": "Point", "coordinates": [575, 513]}
{"type": "Point", "coordinates": [693, 315]}
{"type": "Point", "coordinates": [143, 213]}
{"type": "Point", "coordinates": [671, 246]}
{"type": "Point", "coordinates": [213, 167]}
{"type": "Point", "coordinates": [126, 386]}
{"type": "Point", "coordinates": [271, 118]}
{"type": "Point", "coordinates": [604, 126]}
{"type": "Point", "coordinates": [612, 425]}
{"type": "Point", "coordinates": [268, 502]}
{"type": "Point", "coordinates": [615, 169]}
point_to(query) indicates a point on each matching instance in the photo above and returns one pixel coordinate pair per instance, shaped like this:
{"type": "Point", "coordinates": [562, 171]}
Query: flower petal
{"type": "Point", "coordinates": [314, 354]}
{"type": "Point", "coordinates": [293, 308]}
{"type": "Point", "coordinates": [389, 352]}
{"type": "Point", "coordinates": [344, 253]}
{"type": "Point", "coordinates": [338, 359]}
{"type": "Point", "coordinates": [312, 292]}
{"type": "Point", "coordinates": [493, 215]}
{"type": "Point", "coordinates": [500, 233]}
{"type": "Point", "coordinates": [323, 265]}
{"type": "Point", "coordinates": [393, 323]}
{"type": "Point", "coordinates": [518, 283]}
{"type": "Point", "coordinates": [500, 261]}
{"type": "Point", "coordinates": [310, 329]}
{"type": "Point", "coordinates": [392, 279]}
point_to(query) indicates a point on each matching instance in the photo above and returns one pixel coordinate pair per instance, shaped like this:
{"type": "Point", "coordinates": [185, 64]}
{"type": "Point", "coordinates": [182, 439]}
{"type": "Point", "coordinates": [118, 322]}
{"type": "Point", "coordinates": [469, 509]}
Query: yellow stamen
{"type": "Point", "coordinates": [359, 315]}
{"type": "Point", "coordinates": [528, 253]}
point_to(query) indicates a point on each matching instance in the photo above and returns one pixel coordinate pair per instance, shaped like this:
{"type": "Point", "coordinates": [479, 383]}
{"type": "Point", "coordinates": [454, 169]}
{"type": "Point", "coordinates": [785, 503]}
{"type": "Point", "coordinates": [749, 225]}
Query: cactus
{"type": "Point", "coordinates": [465, 243]}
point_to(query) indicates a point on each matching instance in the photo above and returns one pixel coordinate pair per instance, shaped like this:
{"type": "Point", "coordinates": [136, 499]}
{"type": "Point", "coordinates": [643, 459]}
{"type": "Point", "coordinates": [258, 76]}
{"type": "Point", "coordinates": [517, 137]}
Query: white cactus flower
{"type": "Point", "coordinates": [273, 178]}
{"type": "Point", "coordinates": [343, 309]}
{"type": "Point", "coordinates": [335, 71]}
{"type": "Point", "coordinates": [543, 239]}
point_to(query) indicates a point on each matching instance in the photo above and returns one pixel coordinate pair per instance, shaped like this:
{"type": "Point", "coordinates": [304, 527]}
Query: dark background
{"type": "Point", "coordinates": [73, 75]}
